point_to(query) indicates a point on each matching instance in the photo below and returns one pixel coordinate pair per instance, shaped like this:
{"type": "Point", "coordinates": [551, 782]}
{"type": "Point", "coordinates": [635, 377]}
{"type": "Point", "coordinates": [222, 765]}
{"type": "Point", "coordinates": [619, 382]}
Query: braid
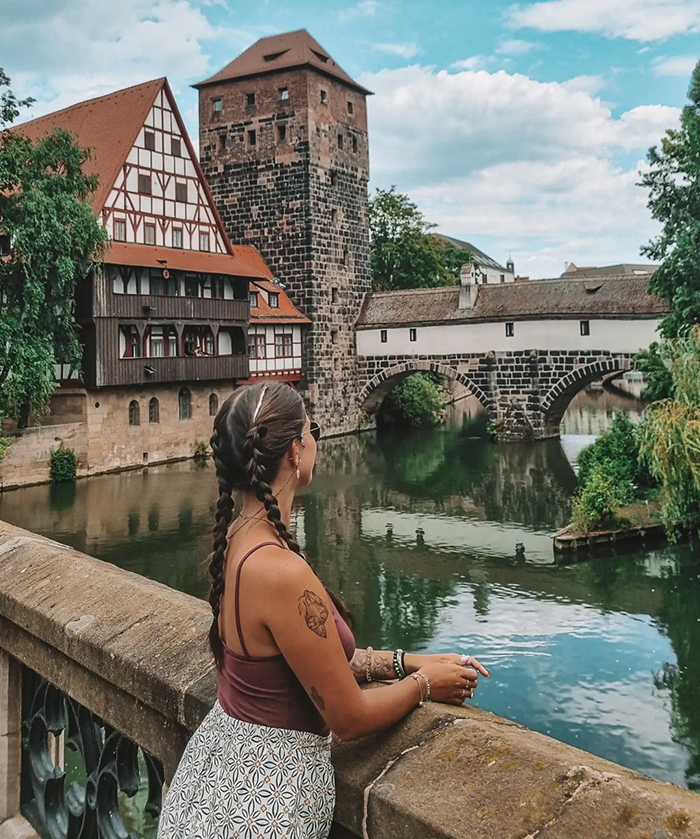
{"type": "Point", "coordinates": [224, 514]}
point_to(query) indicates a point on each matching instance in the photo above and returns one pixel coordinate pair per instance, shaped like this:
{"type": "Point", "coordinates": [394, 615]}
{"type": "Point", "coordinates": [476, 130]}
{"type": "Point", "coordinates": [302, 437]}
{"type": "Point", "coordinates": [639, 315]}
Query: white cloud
{"type": "Point", "coordinates": [365, 8]}
{"type": "Point", "coordinates": [474, 62]}
{"type": "Point", "coordinates": [586, 84]}
{"type": "Point", "coordinates": [503, 155]}
{"type": "Point", "coordinates": [675, 65]}
{"type": "Point", "coordinates": [638, 20]}
{"type": "Point", "coordinates": [402, 50]}
{"type": "Point", "coordinates": [516, 47]}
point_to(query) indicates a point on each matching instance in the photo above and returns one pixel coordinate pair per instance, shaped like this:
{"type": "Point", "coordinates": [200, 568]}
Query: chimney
{"type": "Point", "coordinates": [468, 288]}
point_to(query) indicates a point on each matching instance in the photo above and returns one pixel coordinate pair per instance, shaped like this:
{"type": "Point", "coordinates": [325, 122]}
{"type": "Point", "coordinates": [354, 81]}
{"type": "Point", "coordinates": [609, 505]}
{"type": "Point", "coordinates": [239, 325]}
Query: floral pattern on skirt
{"type": "Point", "coordinates": [237, 780]}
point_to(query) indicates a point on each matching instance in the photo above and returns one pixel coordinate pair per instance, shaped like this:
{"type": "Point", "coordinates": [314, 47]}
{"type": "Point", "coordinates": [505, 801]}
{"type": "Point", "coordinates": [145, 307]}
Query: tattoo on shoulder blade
{"type": "Point", "coordinates": [314, 612]}
{"type": "Point", "coordinates": [318, 699]}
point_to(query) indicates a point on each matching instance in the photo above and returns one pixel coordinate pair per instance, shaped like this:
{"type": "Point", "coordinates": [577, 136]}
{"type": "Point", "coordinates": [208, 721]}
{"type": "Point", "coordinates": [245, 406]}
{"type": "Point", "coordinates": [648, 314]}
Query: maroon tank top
{"type": "Point", "coordinates": [264, 690]}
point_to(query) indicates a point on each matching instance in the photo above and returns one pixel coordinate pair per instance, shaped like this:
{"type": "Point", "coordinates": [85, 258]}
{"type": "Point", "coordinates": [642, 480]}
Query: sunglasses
{"type": "Point", "coordinates": [315, 431]}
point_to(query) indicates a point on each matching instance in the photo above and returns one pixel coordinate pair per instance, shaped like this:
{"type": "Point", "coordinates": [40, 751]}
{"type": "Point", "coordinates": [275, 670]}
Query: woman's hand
{"type": "Point", "coordinates": [456, 676]}
{"type": "Point", "coordinates": [415, 661]}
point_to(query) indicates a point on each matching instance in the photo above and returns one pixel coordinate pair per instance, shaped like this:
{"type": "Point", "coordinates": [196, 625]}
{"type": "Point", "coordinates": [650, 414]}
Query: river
{"type": "Point", "coordinates": [440, 541]}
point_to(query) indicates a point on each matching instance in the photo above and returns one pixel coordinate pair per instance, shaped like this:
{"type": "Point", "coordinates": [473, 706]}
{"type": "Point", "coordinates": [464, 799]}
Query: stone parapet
{"type": "Point", "coordinates": [134, 652]}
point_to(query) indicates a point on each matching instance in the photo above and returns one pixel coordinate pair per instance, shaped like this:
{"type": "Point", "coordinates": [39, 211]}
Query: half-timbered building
{"type": "Point", "coordinates": [164, 320]}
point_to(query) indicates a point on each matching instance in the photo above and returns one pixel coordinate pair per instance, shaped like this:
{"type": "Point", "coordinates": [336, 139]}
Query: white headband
{"type": "Point", "coordinates": [257, 407]}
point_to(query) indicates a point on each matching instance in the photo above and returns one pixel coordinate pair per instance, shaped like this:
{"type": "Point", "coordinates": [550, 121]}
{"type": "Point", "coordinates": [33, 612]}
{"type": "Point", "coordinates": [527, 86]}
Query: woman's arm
{"type": "Point", "coordinates": [382, 663]}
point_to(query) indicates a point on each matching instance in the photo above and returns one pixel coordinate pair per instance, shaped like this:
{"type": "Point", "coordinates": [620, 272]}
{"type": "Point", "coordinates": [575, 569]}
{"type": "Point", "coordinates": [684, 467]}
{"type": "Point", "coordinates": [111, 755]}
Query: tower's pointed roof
{"type": "Point", "coordinates": [282, 52]}
{"type": "Point", "coordinates": [107, 125]}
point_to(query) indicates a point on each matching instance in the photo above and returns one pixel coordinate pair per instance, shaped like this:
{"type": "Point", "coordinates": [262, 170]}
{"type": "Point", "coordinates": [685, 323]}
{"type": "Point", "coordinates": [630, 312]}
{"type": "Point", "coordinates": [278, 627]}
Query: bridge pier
{"type": "Point", "coordinates": [524, 393]}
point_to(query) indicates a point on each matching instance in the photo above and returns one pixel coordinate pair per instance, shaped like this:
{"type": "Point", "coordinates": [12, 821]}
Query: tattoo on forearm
{"type": "Point", "coordinates": [382, 665]}
{"type": "Point", "coordinates": [314, 612]}
{"type": "Point", "coordinates": [317, 699]}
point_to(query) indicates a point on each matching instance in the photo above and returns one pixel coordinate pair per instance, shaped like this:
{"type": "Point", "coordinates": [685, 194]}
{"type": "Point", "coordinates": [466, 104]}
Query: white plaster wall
{"type": "Point", "coordinates": [271, 364]}
{"type": "Point", "coordinates": [616, 335]}
{"type": "Point", "coordinates": [493, 277]}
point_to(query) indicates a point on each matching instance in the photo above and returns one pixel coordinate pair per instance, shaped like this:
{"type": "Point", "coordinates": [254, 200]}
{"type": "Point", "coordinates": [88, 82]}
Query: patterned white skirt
{"type": "Point", "coordinates": [237, 780]}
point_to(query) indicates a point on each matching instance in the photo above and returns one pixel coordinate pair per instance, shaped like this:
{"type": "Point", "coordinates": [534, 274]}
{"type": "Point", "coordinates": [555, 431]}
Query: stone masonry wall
{"type": "Point", "coordinates": [28, 458]}
{"type": "Point", "coordinates": [302, 201]}
{"type": "Point", "coordinates": [525, 392]}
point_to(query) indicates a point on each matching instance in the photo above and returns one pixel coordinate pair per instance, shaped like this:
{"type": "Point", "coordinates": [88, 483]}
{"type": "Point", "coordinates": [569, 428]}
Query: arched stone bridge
{"type": "Point", "coordinates": [524, 392]}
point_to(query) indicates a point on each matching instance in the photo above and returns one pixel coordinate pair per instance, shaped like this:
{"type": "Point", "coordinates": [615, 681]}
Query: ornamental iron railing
{"type": "Point", "coordinates": [82, 779]}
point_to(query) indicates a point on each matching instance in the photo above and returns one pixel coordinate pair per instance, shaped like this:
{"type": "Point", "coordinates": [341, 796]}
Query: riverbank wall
{"type": "Point", "coordinates": [131, 654]}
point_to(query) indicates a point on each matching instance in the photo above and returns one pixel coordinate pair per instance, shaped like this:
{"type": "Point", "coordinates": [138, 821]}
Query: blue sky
{"type": "Point", "coordinates": [521, 127]}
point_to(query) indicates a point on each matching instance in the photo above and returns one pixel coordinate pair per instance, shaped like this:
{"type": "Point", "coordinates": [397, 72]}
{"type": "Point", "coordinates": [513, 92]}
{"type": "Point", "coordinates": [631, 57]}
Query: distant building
{"type": "Point", "coordinates": [283, 144]}
{"type": "Point", "coordinates": [622, 269]}
{"type": "Point", "coordinates": [164, 320]}
{"type": "Point", "coordinates": [488, 271]}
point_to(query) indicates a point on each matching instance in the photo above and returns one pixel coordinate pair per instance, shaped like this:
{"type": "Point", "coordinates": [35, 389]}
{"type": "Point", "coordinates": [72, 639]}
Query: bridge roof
{"type": "Point", "coordinates": [609, 296]}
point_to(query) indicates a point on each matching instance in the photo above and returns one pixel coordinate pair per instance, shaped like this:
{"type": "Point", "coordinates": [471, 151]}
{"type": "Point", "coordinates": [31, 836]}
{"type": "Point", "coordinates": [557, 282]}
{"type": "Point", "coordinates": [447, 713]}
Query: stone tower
{"type": "Point", "coordinates": [283, 144]}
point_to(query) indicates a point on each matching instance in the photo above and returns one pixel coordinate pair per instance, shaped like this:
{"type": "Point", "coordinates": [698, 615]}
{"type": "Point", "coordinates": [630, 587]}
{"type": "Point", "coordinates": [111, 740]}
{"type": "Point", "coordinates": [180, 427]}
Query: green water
{"type": "Point", "coordinates": [441, 542]}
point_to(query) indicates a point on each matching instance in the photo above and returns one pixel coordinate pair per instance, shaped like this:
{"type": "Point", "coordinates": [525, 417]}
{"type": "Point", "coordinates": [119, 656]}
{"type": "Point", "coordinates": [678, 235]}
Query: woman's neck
{"type": "Point", "coordinates": [254, 508]}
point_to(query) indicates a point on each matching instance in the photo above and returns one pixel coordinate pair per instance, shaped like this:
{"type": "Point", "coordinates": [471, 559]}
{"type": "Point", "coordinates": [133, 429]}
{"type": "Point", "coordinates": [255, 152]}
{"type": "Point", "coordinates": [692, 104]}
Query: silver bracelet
{"type": "Point", "coordinates": [427, 685]}
{"type": "Point", "coordinates": [415, 676]}
{"type": "Point", "coordinates": [368, 665]}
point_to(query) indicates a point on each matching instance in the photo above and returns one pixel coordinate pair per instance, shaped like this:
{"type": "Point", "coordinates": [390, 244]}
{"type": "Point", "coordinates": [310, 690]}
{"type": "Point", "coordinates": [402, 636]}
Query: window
{"type": "Point", "coordinates": [334, 336]}
{"type": "Point", "coordinates": [162, 283]}
{"type": "Point", "coordinates": [191, 286]}
{"type": "Point", "coordinates": [213, 405]}
{"type": "Point", "coordinates": [354, 144]}
{"type": "Point", "coordinates": [256, 345]}
{"type": "Point", "coordinates": [204, 240]}
{"type": "Point", "coordinates": [324, 97]}
{"type": "Point", "coordinates": [585, 327]}
{"type": "Point", "coordinates": [344, 257]}
{"type": "Point", "coordinates": [383, 336]}
{"type": "Point", "coordinates": [133, 412]}
{"type": "Point", "coordinates": [145, 184]}
{"type": "Point", "coordinates": [222, 142]}
{"type": "Point", "coordinates": [153, 410]}
{"type": "Point", "coordinates": [119, 230]}
{"type": "Point", "coordinates": [181, 192]}
{"type": "Point", "coordinates": [177, 237]}
{"type": "Point", "coordinates": [250, 99]}
{"type": "Point", "coordinates": [510, 330]}
{"type": "Point", "coordinates": [253, 299]}
{"type": "Point", "coordinates": [252, 137]}
{"type": "Point", "coordinates": [5, 245]}
{"type": "Point", "coordinates": [132, 347]}
{"type": "Point", "coordinates": [340, 142]}
{"type": "Point", "coordinates": [503, 278]}
{"type": "Point", "coordinates": [199, 341]}
{"type": "Point", "coordinates": [284, 93]}
{"type": "Point", "coordinates": [172, 344]}
{"type": "Point", "coordinates": [175, 147]}
{"type": "Point", "coordinates": [283, 345]}
{"type": "Point", "coordinates": [273, 299]}
{"type": "Point", "coordinates": [334, 216]}
{"type": "Point", "coordinates": [412, 335]}
{"type": "Point", "coordinates": [334, 294]}
{"type": "Point", "coordinates": [334, 178]}
{"type": "Point", "coordinates": [184, 403]}
{"type": "Point", "coordinates": [149, 140]}
{"type": "Point", "coordinates": [282, 133]}
{"type": "Point", "coordinates": [155, 340]}
{"type": "Point", "coordinates": [149, 234]}
{"type": "Point", "coordinates": [351, 107]}
{"type": "Point", "coordinates": [217, 105]}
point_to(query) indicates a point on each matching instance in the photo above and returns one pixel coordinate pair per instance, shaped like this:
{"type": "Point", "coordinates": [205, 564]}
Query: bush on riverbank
{"type": "Point", "coordinates": [416, 402]}
{"type": "Point", "coordinates": [64, 465]}
{"type": "Point", "coordinates": [597, 503]}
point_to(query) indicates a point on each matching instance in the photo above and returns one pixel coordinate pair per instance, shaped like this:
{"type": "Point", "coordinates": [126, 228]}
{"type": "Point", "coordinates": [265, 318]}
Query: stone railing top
{"type": "Point", "coordinates": [442, 772]}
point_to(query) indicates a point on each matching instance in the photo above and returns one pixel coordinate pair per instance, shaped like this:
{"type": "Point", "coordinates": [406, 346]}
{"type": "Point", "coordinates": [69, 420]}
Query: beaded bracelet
{"type": "Point", "coordinates": [368, 665]}
{"type": "Point", "coordinates": [399, 668]}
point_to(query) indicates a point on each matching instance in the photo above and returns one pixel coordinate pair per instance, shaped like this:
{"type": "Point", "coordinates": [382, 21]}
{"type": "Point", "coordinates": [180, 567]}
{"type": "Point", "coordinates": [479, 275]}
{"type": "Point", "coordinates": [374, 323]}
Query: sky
{"type": "Point", "coordinates": [521, 127]}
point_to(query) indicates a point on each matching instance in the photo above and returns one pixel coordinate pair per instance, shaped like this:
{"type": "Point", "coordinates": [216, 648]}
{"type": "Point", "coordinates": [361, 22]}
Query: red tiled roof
{"type": "Point", "coordinates": [107, 125]}
{"type": "Point", "coordinates": [282, 52]}
{"type": "Point", "coordinates": [287, 312]}
{"type": "Point", "coordinates": [251, 255]}
{"type": "Point", "coordinates": [152, 256]}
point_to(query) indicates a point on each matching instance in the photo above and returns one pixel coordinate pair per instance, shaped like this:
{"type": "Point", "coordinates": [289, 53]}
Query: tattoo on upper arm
{"type": "Point", "coordinates": [318, 699]}
{"type": "Point", "coordinates": [315, 612]}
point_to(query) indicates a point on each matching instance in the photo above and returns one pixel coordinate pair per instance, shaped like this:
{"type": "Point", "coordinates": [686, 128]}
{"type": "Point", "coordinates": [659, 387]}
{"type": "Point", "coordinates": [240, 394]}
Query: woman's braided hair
{"type": "Point", "coordinates": [253, 431]}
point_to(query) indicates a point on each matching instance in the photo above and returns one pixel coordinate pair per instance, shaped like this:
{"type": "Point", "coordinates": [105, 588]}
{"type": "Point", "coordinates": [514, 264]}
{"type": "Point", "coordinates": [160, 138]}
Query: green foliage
{"type": "Point", "coordinates": [10, 105]}
{"type": "Point", "coordinates": [616, 452]}
{"type": "Point", "coordinates": [4, 446]}
{"type": "Point", "coordinates": [670, 440]}
{"type": "Point", "coordinates": [657, 373]}
{"type": "Point", "coordinates": [673, 181]}
{"type": "Point", "coordinates": [598, 502]}
{"type": "Point", "coordinates": [200, 449]}
{"type": "Point", "coordinates": [55, 235]}
{"type": "Point", "coordinates": [416, 402]}
{"type": "Point", "coordinates": [64, 465]}
{"type": "Point", "coordinates": [403, 253]}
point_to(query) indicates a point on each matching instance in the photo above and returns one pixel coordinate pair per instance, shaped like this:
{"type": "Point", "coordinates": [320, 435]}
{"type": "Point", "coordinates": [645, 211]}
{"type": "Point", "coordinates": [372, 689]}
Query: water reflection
{"type": "Point", "coordinates": [439, 541]}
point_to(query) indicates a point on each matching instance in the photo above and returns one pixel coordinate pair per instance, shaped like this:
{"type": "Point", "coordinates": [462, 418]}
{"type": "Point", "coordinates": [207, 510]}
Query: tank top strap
{"type": "Point", "coordinates": [238, 585]}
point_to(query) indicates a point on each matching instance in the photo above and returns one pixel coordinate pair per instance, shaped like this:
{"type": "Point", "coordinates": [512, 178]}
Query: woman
{"type": "Point", "coordinates": [287, 667]}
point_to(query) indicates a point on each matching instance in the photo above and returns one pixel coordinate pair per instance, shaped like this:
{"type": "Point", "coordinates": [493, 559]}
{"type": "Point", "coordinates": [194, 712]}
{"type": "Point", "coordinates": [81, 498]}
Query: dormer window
{"type": "Point", "coordinates": [273, 299]}
{"type": "Point", "coordinates": [271, 56]}
{"type": "Point", "coordinates": [253, 299]}
{"type": "Point", "coordinates": [321, 57]}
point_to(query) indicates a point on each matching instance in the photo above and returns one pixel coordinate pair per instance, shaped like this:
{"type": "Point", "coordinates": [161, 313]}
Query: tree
{"type": "Point", "coordinates": [416, 402]}
{"type": "Point", "coordinates": [403, 253]}
{"type": "Point", "coordinates": [55, 239]}
{"type": "Point", "coordinates": [673, 181]}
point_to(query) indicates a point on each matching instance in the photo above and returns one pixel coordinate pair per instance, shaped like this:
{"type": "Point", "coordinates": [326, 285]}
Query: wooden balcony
{"type": "Point", "coordinates": [156, 307]}
{"type": "Point", "coordinates": [136, 371]}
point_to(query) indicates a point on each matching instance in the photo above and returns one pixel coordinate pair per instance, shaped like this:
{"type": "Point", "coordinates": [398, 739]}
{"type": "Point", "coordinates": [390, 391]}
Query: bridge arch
{"type": "Point", "coordinates": [373, 393]}
{"type": "Point", "coordinates": [557, 399]}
